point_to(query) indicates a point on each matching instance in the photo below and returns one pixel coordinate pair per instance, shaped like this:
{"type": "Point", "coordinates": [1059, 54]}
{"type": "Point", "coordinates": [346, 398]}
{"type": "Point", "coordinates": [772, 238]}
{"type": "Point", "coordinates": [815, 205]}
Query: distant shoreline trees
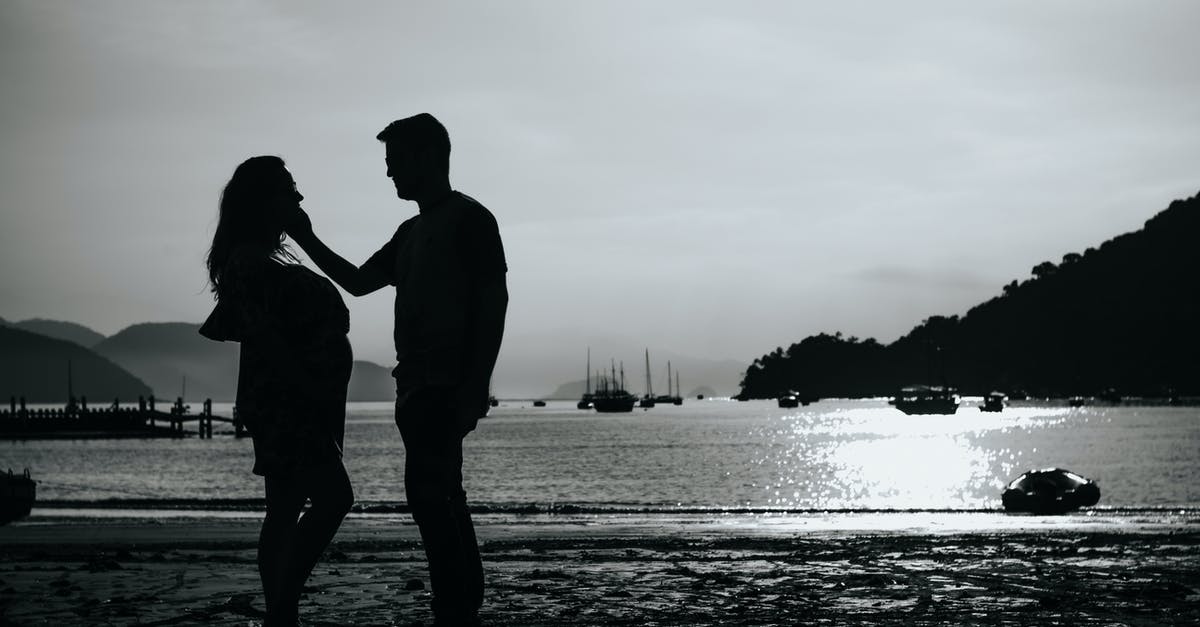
{"type": "Point", "coordinates": [1119, 317]}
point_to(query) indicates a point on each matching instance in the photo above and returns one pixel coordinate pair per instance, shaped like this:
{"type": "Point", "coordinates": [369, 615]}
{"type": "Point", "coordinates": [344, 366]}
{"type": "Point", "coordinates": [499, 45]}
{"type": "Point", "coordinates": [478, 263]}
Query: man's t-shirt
{"type": "Point", "coordinates": [438, 261]}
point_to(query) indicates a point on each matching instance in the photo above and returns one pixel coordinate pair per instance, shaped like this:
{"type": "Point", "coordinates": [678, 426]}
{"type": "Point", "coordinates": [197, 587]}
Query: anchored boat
{"type": "Point", "coordinates": [993, 402]}
{"type": "Point", "coordinates": [648, 399]}
{"type": "Point", "coordinates": [585, 402]}
{"type": "Point", "coordinates": [673, 398]}
{"type": "Point", "coordinates": [610, 395]}
{"type": "Point", "coordinates": [926, 399]}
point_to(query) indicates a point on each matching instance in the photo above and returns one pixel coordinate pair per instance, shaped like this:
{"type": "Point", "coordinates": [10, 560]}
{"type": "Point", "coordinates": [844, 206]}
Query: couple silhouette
{"type": "Point", "coordinates": [448, 269]}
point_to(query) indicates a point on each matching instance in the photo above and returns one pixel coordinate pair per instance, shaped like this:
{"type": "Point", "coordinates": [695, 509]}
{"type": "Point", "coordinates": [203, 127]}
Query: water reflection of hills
{"type": "Point", "coordinates": [1120, 316]}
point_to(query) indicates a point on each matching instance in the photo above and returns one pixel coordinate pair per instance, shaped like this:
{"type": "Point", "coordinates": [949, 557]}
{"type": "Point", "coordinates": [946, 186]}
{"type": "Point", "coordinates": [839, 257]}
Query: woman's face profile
{"type": "Point", "coordinates": [285, 199]}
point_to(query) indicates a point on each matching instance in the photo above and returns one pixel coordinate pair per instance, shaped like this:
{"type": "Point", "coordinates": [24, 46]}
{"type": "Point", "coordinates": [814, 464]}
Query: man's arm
{"type": "Point", "coordinates": [488, 331]}
{"type": "Point", "coordinates": [358, 281]}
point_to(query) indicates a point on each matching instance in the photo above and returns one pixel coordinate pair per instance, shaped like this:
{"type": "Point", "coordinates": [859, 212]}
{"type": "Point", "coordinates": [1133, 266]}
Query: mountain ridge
{"type": "Point", "coordinates": [60, 329]}
{"type": "Point", "coordinates": [35, 367]}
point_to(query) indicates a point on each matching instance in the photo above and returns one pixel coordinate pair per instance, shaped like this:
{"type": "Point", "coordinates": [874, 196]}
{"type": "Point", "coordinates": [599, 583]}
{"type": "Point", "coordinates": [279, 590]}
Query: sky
{"type": "Point", "coordinates": [713, 179]}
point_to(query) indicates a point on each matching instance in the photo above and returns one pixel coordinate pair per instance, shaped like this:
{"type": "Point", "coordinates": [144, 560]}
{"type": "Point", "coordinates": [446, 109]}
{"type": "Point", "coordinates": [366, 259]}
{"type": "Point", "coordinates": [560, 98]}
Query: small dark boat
{"type": "Point", "coordinates": [493, 402]}
{"type": "Point", "coordinates": [1050, 491]}
{"type": "Point", "coordinates": [926, 399]}
{"type": "Point", "coordinates": [648, 399]}
{"type": "Point", "coordinates": [17, 494]}
{"type": "Point", "coordinates": [585, 402]}
{"type": "Point", "coordinates": [539, 403]}
{"type": "Point", "coordinates": [1076, 401]}
{"type": "Point", "coordinates": [795, 399]}
{"type": "Point", "coordinates": [993, 402]}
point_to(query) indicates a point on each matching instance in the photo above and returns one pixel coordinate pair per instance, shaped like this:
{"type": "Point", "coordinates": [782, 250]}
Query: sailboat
{"type": "Point", "coordinates": [585, 402]}
{"type": "Point", "coordinates": [610, 395]}
{"type": "Point", "coordinates": [72, 404]}
{"type": "Point", "coordinates": [648, 398]}
{"type": "Point", "coordinates": [675, 398]}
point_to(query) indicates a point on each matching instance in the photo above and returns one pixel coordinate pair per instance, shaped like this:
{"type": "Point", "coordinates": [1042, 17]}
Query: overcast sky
{"type": "Point", "coordinates": [714, 179]}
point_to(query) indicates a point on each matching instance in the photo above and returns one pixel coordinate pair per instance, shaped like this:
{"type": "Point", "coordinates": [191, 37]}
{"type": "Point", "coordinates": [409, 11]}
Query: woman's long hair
{"type": "Point", "coordinates": [246, 218]}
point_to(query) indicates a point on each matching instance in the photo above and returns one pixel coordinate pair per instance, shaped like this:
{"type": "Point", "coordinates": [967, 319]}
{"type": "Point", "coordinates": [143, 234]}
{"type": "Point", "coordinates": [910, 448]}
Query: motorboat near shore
{"type": "Point", "coordinates": [17, 494]}
{"type": "Point", "coordinates": [795, 399]}
{"type": "Point", "coordinates": [993, 402]}
{"type": "Point", "coordinates": [926, 399]}
{"type": "Point", "coordinates": [1050, 491]}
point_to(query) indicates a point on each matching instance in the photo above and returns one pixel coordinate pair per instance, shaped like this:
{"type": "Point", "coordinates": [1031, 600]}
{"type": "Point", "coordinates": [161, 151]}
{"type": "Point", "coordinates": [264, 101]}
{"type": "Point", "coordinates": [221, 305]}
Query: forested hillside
{"type": "Point", "coordinates": [1121, 316]}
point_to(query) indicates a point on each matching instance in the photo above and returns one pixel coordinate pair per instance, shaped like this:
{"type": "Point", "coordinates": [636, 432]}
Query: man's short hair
{"type": "Point", "coordinates": [420, 132]}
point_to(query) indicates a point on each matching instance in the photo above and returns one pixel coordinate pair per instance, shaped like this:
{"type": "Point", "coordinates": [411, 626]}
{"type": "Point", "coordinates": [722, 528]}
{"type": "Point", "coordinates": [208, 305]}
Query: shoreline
{"type": "Point", "coordinates": [627, 570]}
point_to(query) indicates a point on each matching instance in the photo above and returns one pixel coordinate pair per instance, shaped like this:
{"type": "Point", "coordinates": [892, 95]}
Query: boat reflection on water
{"type": "Point", "coordinates": [926, 399]}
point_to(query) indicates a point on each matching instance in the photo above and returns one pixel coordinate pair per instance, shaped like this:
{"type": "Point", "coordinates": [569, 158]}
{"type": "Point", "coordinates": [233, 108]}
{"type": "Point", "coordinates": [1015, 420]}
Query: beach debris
{"type": "Point", "coordinates": [1050, 491]}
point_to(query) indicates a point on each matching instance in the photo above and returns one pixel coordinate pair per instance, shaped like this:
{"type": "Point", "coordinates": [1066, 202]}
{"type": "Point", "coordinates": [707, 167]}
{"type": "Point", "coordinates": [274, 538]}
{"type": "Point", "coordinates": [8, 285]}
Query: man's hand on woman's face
{"type": "Point", "coordinates": [296, 222]}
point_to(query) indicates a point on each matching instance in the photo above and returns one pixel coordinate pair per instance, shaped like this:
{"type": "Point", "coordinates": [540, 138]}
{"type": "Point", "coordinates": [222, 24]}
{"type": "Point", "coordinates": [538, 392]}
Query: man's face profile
{"type": "Point", "coordinates": [401, 168]}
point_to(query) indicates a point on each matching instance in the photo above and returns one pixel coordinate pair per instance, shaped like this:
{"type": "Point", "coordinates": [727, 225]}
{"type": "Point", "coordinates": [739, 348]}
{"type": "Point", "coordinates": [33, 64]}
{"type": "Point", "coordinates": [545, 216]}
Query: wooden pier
{"type": "Point", "coordinates": [78, 421]}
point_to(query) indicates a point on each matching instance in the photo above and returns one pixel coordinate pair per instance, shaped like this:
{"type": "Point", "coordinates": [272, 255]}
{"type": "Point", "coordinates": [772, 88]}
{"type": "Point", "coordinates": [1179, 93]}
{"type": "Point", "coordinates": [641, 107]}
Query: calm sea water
{"type": "Point", "coordinates": [704, 454]}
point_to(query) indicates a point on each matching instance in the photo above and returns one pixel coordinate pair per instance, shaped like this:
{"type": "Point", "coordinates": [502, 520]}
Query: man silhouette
{"type": "Point", "coordinates": [447, 265]}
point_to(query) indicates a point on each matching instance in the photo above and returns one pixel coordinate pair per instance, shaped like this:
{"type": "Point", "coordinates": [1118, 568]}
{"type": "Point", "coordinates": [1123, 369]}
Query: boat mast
{"type": "Point", "coordinates": [649, 388]}
{"type": "Point", "coordinates": [587, 373]}
{"type": "Point", "coordinates": [668, 377]}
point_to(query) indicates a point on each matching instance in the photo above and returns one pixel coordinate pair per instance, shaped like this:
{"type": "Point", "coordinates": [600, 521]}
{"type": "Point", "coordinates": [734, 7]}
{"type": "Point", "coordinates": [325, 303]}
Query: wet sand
{"type": "Point", "coordinates": [876, 569]}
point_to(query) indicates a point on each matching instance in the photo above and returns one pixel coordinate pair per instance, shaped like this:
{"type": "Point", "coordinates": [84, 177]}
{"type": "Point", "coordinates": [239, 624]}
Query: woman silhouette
{"type": "Point", "coordinates": [294, 369]}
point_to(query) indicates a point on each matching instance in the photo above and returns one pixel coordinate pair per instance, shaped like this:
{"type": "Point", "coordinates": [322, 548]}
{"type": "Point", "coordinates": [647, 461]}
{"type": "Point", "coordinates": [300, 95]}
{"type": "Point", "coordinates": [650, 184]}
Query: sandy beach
{"type": "Point", "coordinates": [172, 568]}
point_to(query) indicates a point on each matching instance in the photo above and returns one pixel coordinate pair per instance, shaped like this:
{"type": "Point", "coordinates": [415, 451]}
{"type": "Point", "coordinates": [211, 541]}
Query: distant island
{"type": "Point", "coordinates": [1121, 318]}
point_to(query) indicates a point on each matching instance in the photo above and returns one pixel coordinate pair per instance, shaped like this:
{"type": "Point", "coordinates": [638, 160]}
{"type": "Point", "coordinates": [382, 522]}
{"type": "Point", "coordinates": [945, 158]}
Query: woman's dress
{"type": "Point", "coordinates": [295, 360]}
